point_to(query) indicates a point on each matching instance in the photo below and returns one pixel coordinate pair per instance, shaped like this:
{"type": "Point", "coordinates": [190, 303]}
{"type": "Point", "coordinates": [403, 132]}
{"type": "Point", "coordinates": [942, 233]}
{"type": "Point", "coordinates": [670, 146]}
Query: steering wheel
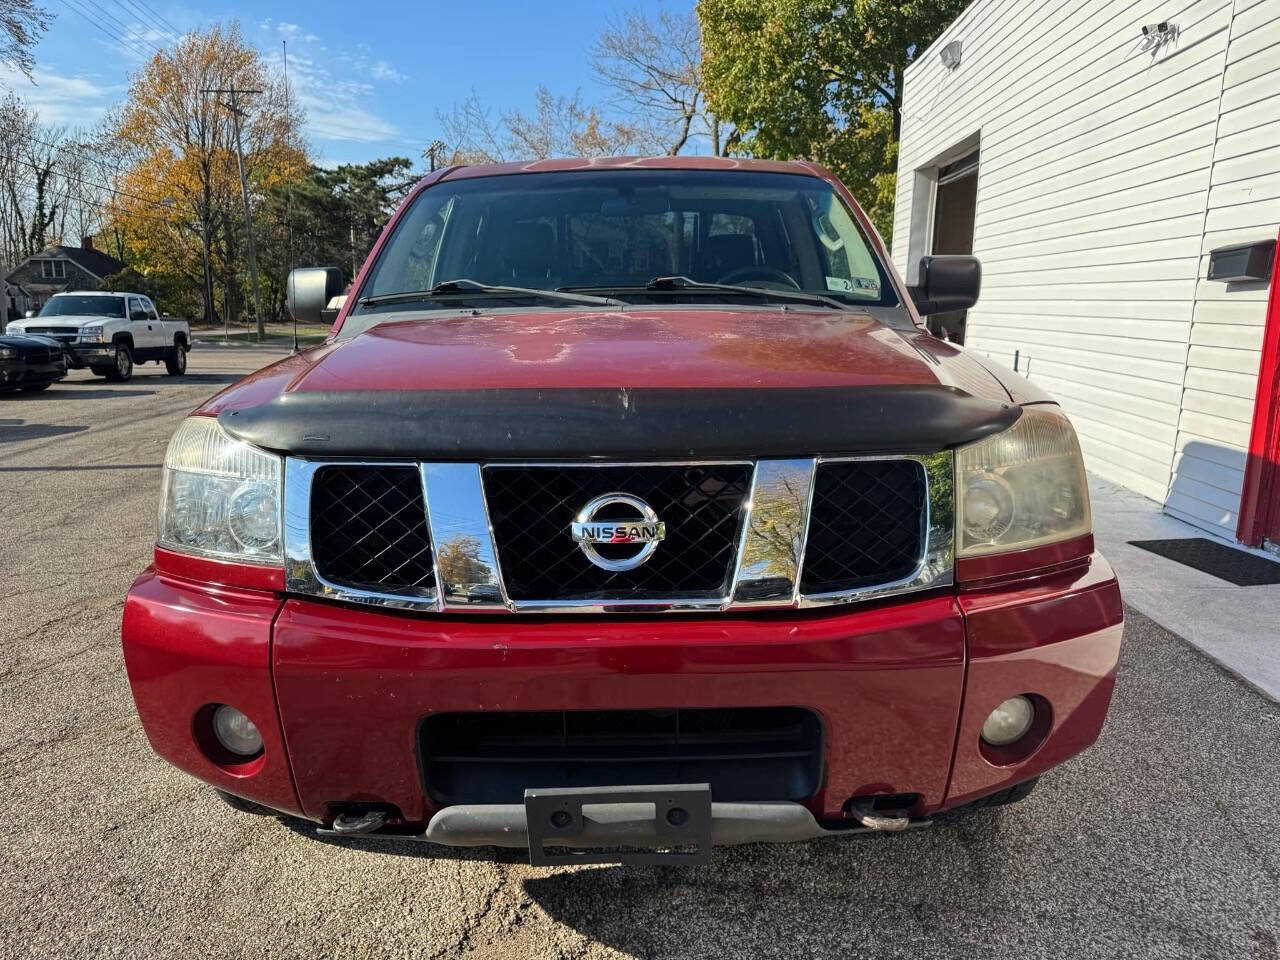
{"type": "Point", "coordinates": [767, 274]}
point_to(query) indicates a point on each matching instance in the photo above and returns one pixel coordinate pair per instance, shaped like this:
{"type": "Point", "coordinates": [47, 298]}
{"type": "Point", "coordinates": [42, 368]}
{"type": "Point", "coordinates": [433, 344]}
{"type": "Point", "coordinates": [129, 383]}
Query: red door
{"type": "Point", "coordinates": [1260, 498]}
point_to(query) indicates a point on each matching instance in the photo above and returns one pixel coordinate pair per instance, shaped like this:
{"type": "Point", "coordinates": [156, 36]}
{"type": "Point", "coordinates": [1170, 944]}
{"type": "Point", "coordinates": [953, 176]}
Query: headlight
{"type": "Point", "coordinates": [220, 497]}
{"type": "Point", "coordinates": [91, 333]}
{"type": "Point", "coordinates": [7, 354]}
{"type": "Point", "coordinates": [1022, 488]}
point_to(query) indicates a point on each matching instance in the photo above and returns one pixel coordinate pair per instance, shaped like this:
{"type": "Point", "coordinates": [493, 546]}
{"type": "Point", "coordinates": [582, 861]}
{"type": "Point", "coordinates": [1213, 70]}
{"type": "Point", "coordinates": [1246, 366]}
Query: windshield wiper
{"type": "Point", "coordinates": [678, 283]}
{"type": "Point", "coordinates": [473, 288]}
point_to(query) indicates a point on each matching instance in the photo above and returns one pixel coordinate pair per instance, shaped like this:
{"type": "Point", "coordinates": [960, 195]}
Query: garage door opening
{"type": "Point", "coordinates": [954, 207]}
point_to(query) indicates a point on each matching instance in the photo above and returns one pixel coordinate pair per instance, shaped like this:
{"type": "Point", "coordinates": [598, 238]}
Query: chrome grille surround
{"type": "Point", "coordinates": [766, 572]}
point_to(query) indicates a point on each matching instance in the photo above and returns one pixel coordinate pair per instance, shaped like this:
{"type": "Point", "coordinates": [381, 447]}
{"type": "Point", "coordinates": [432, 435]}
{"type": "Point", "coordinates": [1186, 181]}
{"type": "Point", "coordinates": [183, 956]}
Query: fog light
{"type": "Point", "coordinates": [1009, 722]}
{"type": "Point", "coordinates": [236, 732]}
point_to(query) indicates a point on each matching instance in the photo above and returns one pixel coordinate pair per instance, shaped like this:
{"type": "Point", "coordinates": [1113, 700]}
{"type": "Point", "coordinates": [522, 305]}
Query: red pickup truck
{"type": "Point", "coordinates": [629, 509]}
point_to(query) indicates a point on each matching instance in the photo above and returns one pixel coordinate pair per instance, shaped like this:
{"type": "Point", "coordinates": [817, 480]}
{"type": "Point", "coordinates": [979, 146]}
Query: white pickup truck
{"type": "Point", "coordinates": [110, 332]}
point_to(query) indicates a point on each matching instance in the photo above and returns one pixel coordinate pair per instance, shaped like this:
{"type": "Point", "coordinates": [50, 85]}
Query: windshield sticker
{"type": "Point", "coordinates": [863, 286]}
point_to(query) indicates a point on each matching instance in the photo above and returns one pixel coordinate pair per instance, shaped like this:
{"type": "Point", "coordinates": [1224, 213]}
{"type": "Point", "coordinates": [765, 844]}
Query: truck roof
{"type": "Point", "coordinates": [98, 293]}
{"type": "Point", "coordinates": [569, 164]}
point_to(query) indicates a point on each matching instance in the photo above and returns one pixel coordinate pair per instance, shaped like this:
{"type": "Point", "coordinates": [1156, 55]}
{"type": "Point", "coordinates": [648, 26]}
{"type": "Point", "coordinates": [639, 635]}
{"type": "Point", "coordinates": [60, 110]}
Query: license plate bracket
{"type": "Point", "coordinates": [658, 824]}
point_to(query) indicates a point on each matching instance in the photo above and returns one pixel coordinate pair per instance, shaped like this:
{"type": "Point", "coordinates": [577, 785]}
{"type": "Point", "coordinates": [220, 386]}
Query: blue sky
{"type": "Point", "coordinates": [371, 75]}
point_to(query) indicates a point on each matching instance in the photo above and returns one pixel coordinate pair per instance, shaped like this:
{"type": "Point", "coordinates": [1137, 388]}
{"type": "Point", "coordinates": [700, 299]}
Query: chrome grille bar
{"type": "Point", "coordinates": [773, 537]}
{"type": "Point", "coordinates": [767, 570]}
{"type": "Point", "coordinates": [467, 572]}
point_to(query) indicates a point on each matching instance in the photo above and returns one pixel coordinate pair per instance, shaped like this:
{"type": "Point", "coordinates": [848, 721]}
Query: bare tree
{"type": "Point", "coordinates": [471, 134]}
{"type": "Point", "coordinates": [22, 23]}
{"type": "Point", "coordinates": [557, 126]}
{"type": "Point", "coordinates": [111, 158]}
{"type": "Point", "coordinates": [561, 127]}
{"type": "Point", "coordinates": [29, 181]}
{"type": "Point", "coordinates": [654, 68]}
{"type": "Point", "coordinates": [17, 125]}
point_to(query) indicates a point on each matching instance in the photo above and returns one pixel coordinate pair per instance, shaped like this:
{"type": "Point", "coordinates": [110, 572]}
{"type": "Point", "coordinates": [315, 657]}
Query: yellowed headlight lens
{"type": "Point", "coordinates": [1022, 488]}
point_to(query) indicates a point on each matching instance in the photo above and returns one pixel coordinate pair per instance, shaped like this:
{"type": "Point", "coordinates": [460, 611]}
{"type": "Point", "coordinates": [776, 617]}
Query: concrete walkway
{"type": "Point", "coordinates": [1239, 627]}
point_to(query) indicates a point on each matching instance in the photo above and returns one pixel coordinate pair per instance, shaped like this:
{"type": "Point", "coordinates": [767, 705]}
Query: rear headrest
{"type": "Point", "coordinates": [726, 252]}
{"type": "Point", "coordinates": [527, 249]}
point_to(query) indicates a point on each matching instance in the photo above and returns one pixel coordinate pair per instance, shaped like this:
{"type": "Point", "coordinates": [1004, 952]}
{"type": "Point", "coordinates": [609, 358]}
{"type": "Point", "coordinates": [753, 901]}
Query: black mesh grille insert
{"type": "Point", "coordinates": [867, 524]}
{"type": "Point", "coordinates": [531, 509]}
{"type": "Point", "coordinates": [369, 529]}
{"type": "Point", "coordinates": [750, 753]}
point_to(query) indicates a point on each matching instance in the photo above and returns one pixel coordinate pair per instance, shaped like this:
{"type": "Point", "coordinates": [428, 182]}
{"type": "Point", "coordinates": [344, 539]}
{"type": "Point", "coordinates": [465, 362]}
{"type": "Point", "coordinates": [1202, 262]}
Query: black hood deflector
{"type": "Point", "coordinates": [635, 424]}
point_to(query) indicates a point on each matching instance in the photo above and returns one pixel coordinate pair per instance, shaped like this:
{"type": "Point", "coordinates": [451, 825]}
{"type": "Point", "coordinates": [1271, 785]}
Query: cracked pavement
{"type": "Point", "coordinates": [1161, 841]}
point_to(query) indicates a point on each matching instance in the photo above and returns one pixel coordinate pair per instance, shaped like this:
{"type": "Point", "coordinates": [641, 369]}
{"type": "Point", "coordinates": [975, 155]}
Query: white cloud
{"type": "Point", "coordinates": [288, 31]}
{"type": "Point", "coordinates": [337, 107]}
{"type": "Point", "coordinates": [72, 100]}
{"type": "Point", "coordinates": [336, 90]}
{"type": "Point", "coordinates": [381, 70]}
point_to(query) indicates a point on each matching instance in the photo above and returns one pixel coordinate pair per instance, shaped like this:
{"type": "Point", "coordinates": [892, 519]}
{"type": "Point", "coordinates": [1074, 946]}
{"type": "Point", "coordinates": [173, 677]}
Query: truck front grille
{"type": "Point", "coordinates": [734, 535]}
{"type": "Point", "coordinates": [532, 507]}
{"type": "Point", "coordinates": [369, 529]}
{"type": "Point", "coordinates": [751, 753]}
{"type": "Point", "coordinates": [867, 526]}
{"type": "Point", "coordinates": [65, 334]}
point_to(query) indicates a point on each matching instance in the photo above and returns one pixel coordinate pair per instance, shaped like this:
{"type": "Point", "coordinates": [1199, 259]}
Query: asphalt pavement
{"type": "Point", "coordinates": [1161, 841]}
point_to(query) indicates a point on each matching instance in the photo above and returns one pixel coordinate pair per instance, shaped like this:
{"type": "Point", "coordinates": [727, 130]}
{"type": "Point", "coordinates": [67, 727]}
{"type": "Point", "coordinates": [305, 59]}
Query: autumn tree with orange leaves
{"type": "Point", "coordinates": [178, 203]}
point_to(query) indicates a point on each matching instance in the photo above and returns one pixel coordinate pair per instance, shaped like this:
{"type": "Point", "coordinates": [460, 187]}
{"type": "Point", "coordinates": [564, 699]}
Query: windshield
{"type": "Point", "coordinates": [86, 306]}
{"type": "Point", "coordinates": [615, 232]}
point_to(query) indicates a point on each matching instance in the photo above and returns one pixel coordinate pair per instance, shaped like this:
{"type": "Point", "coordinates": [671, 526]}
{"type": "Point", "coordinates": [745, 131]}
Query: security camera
{"type": "Point", "coordinates": [1159, 31]}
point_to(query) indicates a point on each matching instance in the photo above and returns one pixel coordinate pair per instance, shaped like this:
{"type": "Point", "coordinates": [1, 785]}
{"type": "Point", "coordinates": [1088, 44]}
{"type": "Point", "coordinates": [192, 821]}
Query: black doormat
{"type": "Point", "coordinates": [1216, 559]}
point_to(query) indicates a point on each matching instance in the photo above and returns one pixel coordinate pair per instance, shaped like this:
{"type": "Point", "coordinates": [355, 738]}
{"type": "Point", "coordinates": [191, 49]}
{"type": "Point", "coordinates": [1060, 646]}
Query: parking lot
{"type": "Point", "coordinates": [1161, 841]}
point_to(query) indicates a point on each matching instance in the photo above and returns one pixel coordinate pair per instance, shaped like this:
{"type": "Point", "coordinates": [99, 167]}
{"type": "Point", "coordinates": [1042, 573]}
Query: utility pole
{"type": "Point", "coordinates": [434, 151]}
{"type": "Point", "coordinates": [236, 114]}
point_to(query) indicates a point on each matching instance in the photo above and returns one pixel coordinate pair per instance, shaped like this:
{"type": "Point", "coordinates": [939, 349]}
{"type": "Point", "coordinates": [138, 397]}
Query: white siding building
{"type": "Point", "coordinates": [1108, 166]}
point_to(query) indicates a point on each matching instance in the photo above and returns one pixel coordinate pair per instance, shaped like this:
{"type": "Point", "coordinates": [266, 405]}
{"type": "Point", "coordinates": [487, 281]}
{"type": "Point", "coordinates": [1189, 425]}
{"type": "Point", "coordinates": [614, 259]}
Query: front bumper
{"type": "Point", "coordinates": [19, 372]}
{"type": "Point", "coordinates": [92, 354]}
{"type": "Point", "coordinates": [902, 688]}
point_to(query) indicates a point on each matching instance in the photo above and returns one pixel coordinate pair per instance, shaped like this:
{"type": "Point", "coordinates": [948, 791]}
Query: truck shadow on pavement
{"type": "Point", "coordinates": [406, 847]}
{"type": "Point", "coordinates": [90, 394]}
{"type": "Point", "coordinates": [209, 378]}
{"type": "Point", "coordinates": [12, 431]}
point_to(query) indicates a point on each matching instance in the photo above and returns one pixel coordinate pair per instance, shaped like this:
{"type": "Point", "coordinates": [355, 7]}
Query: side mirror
{"type": "Point", "coordinates": [139, 316]}
{"type": "Point", "coordinates": [309, 291]}
{"type": "Point", "coordinates": [947, 283]}
{"type": "Point", "coordinates": [30, 315]}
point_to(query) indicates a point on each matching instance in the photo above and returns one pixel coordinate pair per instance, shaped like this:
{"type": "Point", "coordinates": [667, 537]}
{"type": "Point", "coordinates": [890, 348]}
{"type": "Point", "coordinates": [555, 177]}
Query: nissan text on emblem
{"type": "Point", "coordinates": [618, 520]}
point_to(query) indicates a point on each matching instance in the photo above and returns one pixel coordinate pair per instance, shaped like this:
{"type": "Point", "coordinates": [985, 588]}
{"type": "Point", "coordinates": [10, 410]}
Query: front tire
{"type": "Point", "coordinates": [176, 361]}
{"type": "Point", "coordinates": [122, 370]}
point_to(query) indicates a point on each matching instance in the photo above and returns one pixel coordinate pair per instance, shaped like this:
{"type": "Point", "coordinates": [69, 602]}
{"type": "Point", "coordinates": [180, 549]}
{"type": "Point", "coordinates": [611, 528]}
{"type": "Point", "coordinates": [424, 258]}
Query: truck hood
{"type": "Point", "coordinates": [67, 322]}
{"type": "Point", "coordinates": [531, 371]}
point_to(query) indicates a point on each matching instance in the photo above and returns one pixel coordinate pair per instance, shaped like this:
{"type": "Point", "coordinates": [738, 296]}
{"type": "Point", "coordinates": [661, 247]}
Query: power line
{"type": "Point", "coordinates": [176, 31]}
{"type": "Point", "coordinates": [88, 183]}
{"type": "Point", "coordinates": [122, 39]}
{"type": "Point", "coordinates": [105, 205]}
{"type": "Point", "coordinates": [75, 149]}
{"type": "Point", "coordinates": [127, 29]}
{"type": "Point", "coordinates": [150, 20]}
